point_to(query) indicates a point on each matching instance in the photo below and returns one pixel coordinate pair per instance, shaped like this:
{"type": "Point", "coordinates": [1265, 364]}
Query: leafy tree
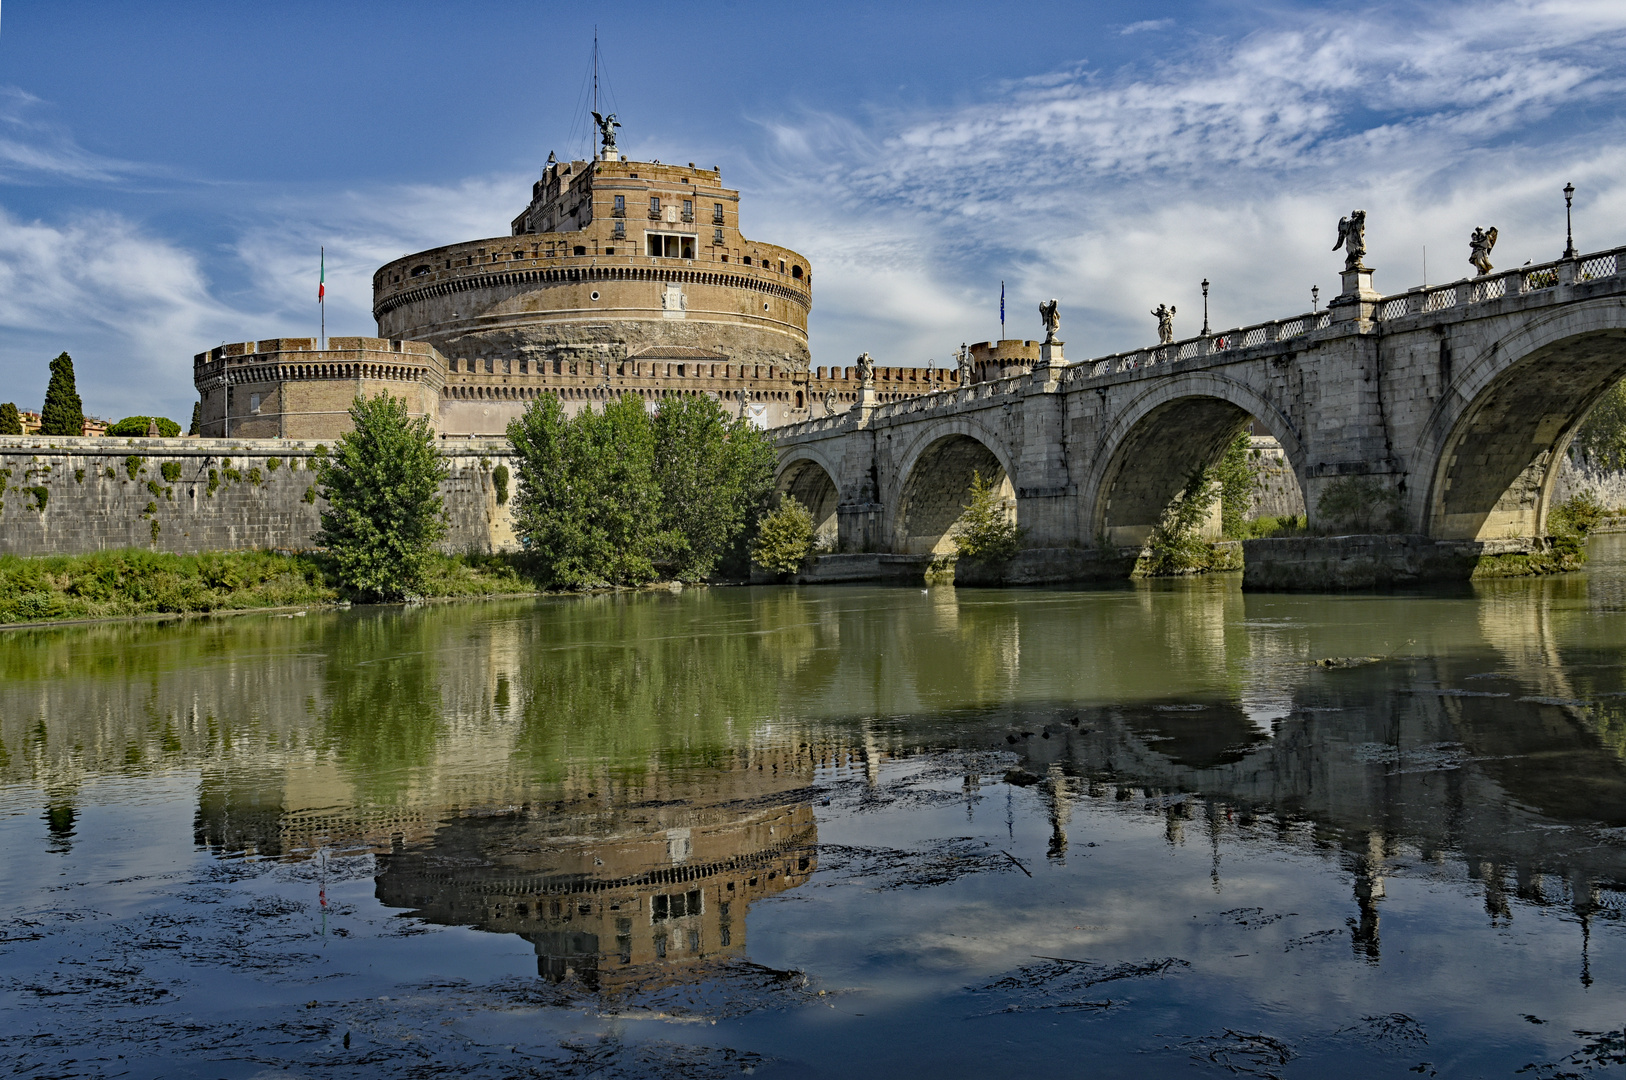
{"type": "Point", "coordinates": [1601, 438]}
{"type": "Point", "coordinates": [1235, 474]}
{"type": "Point", "coordinates": [135, 427]}
{"type": "Point", "coordinates": [197, 418]}
{"type": "Point", "coordinates": [11, 421]}
{"type": "Point", "coordinates": [986, 531]}
{"type": "Point", "coordinates": [64, 413]}
{"type": "Point", "coordinates": [715, 475]}
{"type": "Point", "coordinates": [588, 504]}
{"type": "Point", "coordinates": [384, 507]}
{"type": "Point", "coordinates": [1176, 545]}
{"type": "Point", "coordinates": [784, 537]}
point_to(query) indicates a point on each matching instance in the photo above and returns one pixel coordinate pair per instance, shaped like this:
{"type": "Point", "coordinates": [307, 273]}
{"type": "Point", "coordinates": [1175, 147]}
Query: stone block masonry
{"type": "Point", "coordinates": [71, 496]}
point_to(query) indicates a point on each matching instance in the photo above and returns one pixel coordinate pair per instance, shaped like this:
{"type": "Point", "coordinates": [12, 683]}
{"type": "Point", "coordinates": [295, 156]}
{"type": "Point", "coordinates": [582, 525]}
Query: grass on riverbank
{"type": "Point", "coordinates": [109, 584]}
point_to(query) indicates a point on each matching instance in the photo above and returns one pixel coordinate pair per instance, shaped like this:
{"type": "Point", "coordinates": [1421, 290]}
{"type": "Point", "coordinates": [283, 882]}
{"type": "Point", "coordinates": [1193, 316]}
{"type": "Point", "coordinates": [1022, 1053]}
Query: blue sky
{"type": "Point", "coordinates": [167, 170]}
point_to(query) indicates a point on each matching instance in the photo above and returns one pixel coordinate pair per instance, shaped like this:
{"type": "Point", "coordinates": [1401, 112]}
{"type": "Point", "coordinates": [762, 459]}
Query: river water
{"type": "Point", "coordinates": [1163, 829]}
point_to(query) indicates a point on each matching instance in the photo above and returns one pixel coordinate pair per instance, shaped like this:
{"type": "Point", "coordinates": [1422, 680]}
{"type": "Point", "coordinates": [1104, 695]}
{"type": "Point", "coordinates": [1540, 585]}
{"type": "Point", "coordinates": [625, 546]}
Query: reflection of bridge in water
{"type": "Point", "coordinates": [1442, 411]}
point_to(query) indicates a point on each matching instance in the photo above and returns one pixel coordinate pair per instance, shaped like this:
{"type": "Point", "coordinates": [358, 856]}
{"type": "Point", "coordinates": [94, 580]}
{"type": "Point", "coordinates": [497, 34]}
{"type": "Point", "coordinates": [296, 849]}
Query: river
{"type": "Point", "coordinates": [1160, 829]}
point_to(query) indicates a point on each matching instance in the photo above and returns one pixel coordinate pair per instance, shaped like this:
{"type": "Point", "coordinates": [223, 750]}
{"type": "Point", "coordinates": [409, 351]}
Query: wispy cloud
{"type": "Point", "coordinates": [35, 150]}
{"type": "Point", "coordinates": [1147, 25]}
{"type": "Point", "coordinates": [1229, 159]}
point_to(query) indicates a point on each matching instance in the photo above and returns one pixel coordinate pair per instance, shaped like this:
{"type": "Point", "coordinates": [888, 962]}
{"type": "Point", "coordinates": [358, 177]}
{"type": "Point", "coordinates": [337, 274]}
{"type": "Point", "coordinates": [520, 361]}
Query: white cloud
{"type": "Point", "coordinates": [1146, 25]}
{"type": "Point", "coordinates": [32, 149]}
{"type": "Point", "coordinates": [1230, 160]}
{"type": "Point", "coordinates": [131, 307]}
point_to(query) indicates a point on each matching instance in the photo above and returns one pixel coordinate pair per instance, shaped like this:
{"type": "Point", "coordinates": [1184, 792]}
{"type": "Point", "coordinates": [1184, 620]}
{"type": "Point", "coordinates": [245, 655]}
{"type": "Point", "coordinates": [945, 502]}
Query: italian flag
{"type": "Point", "coordinates": [321, 282]}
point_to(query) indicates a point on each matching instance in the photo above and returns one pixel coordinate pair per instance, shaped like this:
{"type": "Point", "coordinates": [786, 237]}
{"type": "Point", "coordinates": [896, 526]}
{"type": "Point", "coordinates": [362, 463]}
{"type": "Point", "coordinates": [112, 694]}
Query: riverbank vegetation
{"type": "Point", "coordinates": [112, 584]}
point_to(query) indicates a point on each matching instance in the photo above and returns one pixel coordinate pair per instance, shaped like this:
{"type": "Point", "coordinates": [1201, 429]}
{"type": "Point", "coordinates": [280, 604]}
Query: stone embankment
{"type": "Point", "coordinates": [71, 496]}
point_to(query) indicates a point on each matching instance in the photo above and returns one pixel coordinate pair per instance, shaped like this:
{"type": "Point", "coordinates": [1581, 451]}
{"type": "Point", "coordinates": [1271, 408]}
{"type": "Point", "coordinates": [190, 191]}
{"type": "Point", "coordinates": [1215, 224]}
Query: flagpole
{"type": "Point", "coordinates": [1001, 309]}
{"type": "Point", "coordinates": [321, 297]}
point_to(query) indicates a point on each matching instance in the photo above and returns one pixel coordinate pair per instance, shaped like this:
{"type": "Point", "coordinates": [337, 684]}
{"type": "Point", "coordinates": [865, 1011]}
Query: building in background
{"type": "Point", "coordinates": [620, 277]}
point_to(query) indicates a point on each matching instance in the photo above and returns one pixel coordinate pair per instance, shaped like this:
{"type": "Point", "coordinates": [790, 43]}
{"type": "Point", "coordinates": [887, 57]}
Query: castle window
{"type": "Point", "coordinates": [254, 403]}
{"type": "Point", "coordinates": [419, 271]}
{"type": "Point", "coordinates": [518, 254]}
{"type": "Point", "coordinates": [609, 251]}
{"type": "Point", "coordinates": [620, 206]}
{"type": "Point", "coordinates": [620, 230]}
{"type": "Point", "coordinates": [688, 209]}
{"type": "Point", "coordinates": [663, 245]}
{"type": "Point", "coordinates": [655, 206]}
{"type": "Point", "coordinates": [716, 213]}
{"type": "Point", "coordinates": [717, 238]}
{"type": "Point", "coordinates": [580, 250]}
{"type": "Point", "coordinates": [796, 272]}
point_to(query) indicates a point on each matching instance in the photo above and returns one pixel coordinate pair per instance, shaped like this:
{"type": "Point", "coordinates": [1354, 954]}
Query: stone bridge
{"type": "Point", "coordinates": [1440, 414]}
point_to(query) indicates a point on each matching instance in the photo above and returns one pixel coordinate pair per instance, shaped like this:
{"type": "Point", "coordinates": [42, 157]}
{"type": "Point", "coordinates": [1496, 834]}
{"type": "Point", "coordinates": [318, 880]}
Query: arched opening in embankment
{"type": "Point", "coordinates": [937, 491]}
{"type": "Point", "coordinates": [1498, 459]}
{"type": "Point", "coordinates": [1200, 446]}
{"type": "Point", "coordinates": [808, 483]}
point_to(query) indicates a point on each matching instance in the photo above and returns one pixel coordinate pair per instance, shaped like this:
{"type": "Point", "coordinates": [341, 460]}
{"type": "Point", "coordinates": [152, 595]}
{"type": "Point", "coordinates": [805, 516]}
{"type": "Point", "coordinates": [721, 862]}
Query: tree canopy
{"type": "Point", "coordinates": [11, 421]}
{"type": "Point", "coordinates": [135, 427]}
{"type": "Point", "coordinates": [64, 413]}
{"type": "Point", "coordinates": [619, 496]}
{"type": "Point", "coordinates": [384, 508]}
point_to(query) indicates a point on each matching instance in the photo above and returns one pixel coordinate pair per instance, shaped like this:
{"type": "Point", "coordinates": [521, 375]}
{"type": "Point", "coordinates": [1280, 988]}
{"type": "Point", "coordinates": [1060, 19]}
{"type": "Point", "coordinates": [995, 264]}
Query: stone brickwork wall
{"type": "Point", "coordinates": [66, 496]}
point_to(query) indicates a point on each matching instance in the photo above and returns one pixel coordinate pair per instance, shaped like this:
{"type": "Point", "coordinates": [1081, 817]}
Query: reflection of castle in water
{"type": "Point", "coordinates": [603, 894]}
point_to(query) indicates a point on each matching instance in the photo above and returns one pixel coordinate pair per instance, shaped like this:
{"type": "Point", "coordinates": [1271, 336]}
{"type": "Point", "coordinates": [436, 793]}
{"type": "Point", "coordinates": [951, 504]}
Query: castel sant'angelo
{"type": "Point", "coordinates": [620, 277]}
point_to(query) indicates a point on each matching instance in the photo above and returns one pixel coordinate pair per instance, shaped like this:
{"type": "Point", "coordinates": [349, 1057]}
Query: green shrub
{"type": "Point", "coordinates": [135, 427]}
{"type": "Point", "coordinates": [152, 486]}
{"type": "Point", "coordinates": [111, 473]}
{"type": "Point", "coordinates": [1236, 476]}
{"type": "Point", "coordinates": [254, 476]}
{"type": "Point", "coordinates": [985, 531]}
{"type": "Point", "coordinates": [715, 477]}
{"type": "Point", "coordinates": [171, 470]}
{"type": "Point", "coordinates": [384, 508]}
{"type": "Point", "coordinates": [499, 480]}
{"type": "Point", "coordinates": [273, 464]}
{"type": "Point", "coordinates": [310, 494]}
{"type": "Point", "coordinates": [132, 465]}
{"type": "Point", "coordinates": [233, 475]}
{"type": "Point", "coordinates": [150, 508]}
{"type": "Point", "coordinates": [42, 496]}
{"type": "Point", "coordinates": [1261, 528]}
{"type": "Point", "coordinates": [214, 481]}
{"type": "Point", "coordinates": [155, 530]}
{"type": "Point", "coordinates": [79, 476]}
{"type": "Point", "coordinates": [784, 537]}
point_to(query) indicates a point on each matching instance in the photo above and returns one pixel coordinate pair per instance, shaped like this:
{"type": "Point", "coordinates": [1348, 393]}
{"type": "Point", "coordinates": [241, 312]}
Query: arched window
{"type": "Point", "coordinates": [796, 272]}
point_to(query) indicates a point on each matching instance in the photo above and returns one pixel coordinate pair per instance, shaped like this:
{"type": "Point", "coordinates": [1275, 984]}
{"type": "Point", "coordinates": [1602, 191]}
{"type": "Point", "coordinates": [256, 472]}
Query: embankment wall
{"type": "Point", "coordinates": [70, 496]}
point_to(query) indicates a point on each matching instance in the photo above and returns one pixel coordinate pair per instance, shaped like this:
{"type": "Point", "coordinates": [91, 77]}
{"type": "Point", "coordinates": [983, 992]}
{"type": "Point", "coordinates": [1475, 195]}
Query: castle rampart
{"type": "Point", "coordinates": [69, 496]}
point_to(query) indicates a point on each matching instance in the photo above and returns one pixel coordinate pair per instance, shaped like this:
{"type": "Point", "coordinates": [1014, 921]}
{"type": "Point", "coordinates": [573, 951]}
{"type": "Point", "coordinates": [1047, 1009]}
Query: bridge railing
{"type": "Point", "coordinates": [1421, 300]}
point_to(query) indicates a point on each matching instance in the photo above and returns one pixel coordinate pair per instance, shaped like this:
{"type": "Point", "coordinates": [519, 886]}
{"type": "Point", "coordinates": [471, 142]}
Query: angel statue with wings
{"type": "Point", "coordinates": [1479, 249]}
{"type": "Point", "coordinates": [866, 370]}
{"type": "Point", "coordinates": [1352, 238]}
{"type": "Point", "coordinates": [1050, 313]}
{"type": "Point", "coordinates": [965, 365]}
{"type": "Point", "coordinates": [1164, 313]}
{"type": "Point", "coordinates": [606, 128]}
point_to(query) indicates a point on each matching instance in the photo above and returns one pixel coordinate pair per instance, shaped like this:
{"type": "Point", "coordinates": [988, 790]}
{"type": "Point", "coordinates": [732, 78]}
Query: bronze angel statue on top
{"type": "Point", "coordinates": [606, 128]}
{"type": "Point", "coordinates": [1479, 249]}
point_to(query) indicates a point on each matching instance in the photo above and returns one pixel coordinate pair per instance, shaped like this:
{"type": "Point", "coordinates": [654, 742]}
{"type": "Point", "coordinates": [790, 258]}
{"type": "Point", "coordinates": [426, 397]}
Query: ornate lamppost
{"type": "Point", "coordinates": [1205, 307]}
{"type": "Point", "coordinates": [1569, 232]}
{"type": "Point", "coordinates": [1315, 299]}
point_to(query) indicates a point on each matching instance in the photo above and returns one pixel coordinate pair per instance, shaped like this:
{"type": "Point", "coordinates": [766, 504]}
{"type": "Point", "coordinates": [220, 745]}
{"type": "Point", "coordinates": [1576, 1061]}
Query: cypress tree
{"type": "Point", "coordinates": [64, 413]}
{"type": "Point", "coordinates": [197, 418]}
{"type": "Point", "coordinates": [11, 421]}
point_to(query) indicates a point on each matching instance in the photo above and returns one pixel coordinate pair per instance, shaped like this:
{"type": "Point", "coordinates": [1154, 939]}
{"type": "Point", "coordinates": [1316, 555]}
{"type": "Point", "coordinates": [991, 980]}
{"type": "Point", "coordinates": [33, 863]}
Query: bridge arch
{"type": "Point", "coordinates": [933, 483]}
{"type": "Point", "coordinates": [1492, 447]}
{"type": "Point", "coordinates": [1163, 436]}
{"type": "Point", "coordinates": [807, 478]}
